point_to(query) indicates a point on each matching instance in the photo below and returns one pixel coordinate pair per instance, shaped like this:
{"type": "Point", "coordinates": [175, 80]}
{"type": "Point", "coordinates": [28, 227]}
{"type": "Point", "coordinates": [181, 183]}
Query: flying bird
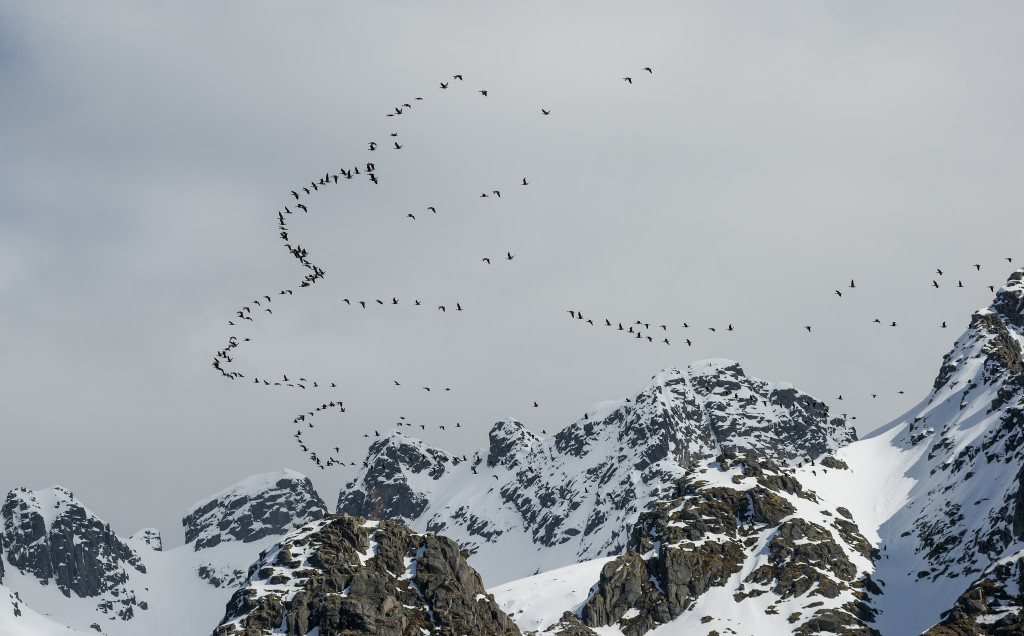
{"type": "Point", "coordinates": [628, 79]}
{"type": "Point", "coordinates": [525, 182]}
{"type": "Point", "coordinates": [648, 69]}
{"type": "Point", "coordinates": [484, 93]}
{"type": "Point", "coordinates": [545, 112]}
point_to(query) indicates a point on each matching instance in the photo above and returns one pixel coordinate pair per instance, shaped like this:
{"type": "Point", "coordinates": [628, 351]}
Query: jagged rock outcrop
{"type": "Point", "coordinates": [149, 537]}
{"type": "Point", "coordinates": [991, 606]}
{"type": "Point", "coordinates": [260, 506]}
{"type": "Point", "coordinates": [576, 495]}
{"type": "Point", "coordinates": [743, 514]}
{"type": "Point", "coordinates": [257, 508]}
{"type": "Point", "coordinates": [48, 534]}
{"type": "Point", "coordinates": [344, 574]}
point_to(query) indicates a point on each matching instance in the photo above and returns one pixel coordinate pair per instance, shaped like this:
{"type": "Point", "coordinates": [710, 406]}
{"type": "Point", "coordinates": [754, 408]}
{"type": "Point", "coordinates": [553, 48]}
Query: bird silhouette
{"type": "Point", "coordinates": [628, 79]}
{"type": "Point", "coordinates": [484, 93]}
{"type": "Point", "coordinates": [545, 112]}
{"type": "Point", "coordinates": [509, 256]}
{"type": "Point", "coordinates": [525, 182]}
{"type": "Point", "coordinates": [487, 260]}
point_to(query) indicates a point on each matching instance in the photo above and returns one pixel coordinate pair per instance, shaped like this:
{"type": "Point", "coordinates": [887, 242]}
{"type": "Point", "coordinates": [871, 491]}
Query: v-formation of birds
{"type": "Point", "coordinates": [301, 198]}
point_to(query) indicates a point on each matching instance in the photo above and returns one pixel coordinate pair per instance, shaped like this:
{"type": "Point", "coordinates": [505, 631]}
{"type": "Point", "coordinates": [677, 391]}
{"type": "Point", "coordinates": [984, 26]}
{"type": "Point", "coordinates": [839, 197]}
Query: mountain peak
{"type": "Point", "coordinates": [256, 507]}
{"type": "Point", "coordinates": [575, 495]}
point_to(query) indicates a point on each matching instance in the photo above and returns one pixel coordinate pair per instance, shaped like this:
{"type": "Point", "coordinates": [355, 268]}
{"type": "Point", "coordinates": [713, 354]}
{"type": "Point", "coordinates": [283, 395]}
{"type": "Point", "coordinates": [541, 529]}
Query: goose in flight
{"type": "Point", "coordinates": [628, 79]}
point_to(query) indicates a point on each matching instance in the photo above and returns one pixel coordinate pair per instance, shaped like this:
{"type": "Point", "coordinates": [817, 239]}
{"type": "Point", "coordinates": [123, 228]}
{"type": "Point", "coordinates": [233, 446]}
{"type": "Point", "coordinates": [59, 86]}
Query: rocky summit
{"type": "Point", "coordinates": [347, 575]}
{"type": "Point", "coordinates": [50, 536]}
{"type": "Point", "coordinates": [575, 495]}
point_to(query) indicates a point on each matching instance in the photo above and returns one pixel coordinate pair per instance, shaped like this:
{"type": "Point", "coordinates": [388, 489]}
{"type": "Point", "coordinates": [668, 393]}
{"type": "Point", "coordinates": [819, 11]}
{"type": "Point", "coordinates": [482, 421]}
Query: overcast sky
{"type": "Point", "coordinates": [777, 151]}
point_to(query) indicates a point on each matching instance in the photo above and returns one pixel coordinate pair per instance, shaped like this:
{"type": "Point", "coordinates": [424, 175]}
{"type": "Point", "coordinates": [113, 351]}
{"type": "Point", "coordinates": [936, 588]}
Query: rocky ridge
{"type": "Point", "coordinates": [962, 453]}
{"type": "Point", "coordinates": [347, 575]}
{"type": "Point", "coordinates": [262, 506]}
{"type": "Point", "coordinates": [748, 527]}
{"type": "Point", "coordinates": [51, 536]}
{"type": "Point", "coordinates": [575, 495]}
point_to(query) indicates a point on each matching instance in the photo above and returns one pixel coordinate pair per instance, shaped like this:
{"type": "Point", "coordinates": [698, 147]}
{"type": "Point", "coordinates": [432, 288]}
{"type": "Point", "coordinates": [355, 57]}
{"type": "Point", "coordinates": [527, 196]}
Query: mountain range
{"type": "Point", "coordinates": [708, 502]}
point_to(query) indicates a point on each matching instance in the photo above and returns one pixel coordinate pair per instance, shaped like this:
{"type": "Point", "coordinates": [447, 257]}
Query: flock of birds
{"type": "Point", "coordinates": [302, 197]}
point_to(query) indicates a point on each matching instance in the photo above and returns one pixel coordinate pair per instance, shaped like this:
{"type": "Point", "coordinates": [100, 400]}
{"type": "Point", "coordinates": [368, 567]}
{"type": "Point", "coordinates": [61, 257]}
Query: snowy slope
{"type": "Point", "coordinates": [529, 503]}
{"type": "Point", "coordinates": [941, 486]}
{"type": "Point", "coordinates": [17, 619]}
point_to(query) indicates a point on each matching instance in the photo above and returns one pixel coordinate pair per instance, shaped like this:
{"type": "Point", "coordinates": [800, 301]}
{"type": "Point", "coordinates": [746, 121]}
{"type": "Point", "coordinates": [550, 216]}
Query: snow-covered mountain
{"type": "Point", "coordinates": [68, 568]}
{"type": "Point", "coordinates": [709, 502]}
{"type": "Point", "coordinates": [573, 496]}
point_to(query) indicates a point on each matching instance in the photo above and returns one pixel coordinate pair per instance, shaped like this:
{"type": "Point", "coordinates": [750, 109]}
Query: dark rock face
{"type": "Point", "coordinates": [991, 606]}
{"type": "Point", "coordinates": [681, 548]}
{"type": "Point", "coordinates": [344, 575]}
{"type": "Point", "coordinates": [258, 507]}
{"type": "Point", "coordinates": [388, 494]}
{"type": "Point", "coordinates": [51, 536]}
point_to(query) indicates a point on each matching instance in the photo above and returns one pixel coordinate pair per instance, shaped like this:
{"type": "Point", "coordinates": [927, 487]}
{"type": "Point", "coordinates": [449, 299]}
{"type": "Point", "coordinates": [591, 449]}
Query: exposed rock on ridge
{"type": "Point", "coordinates": [260, 506]}
{"type": "Point", "coordinates": [345, 575]}
{"type": "Point", "coordinates": [711, 532]}
{"type": "Point", "coordinates": [576, 495]}
{"type": "Point", "coordinates": [50, 535]}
